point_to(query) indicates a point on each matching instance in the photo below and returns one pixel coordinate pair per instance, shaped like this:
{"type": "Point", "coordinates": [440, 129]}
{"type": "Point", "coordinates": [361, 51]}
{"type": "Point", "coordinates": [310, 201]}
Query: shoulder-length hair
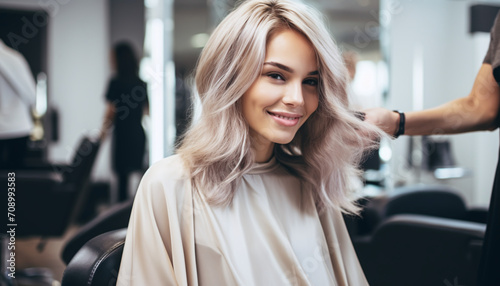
{"type": "Point", "coordinates": [326, 150]}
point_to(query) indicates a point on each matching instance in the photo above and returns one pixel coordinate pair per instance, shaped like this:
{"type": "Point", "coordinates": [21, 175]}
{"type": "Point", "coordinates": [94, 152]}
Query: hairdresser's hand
{"type": "Point", "coordinates": [385, 119]}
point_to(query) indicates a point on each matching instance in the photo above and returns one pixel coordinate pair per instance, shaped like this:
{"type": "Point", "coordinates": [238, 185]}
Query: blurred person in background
{"type": "Point", "coordinates": [17, 96]}
{"type": "Point", "coordinates": [127, 101]}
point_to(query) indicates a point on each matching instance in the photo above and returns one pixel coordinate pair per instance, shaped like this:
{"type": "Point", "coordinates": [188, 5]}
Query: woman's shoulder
{"type": "Point", "coordinates": [170, 168]}
{"type": "Point", "coordinates": [168, 176]}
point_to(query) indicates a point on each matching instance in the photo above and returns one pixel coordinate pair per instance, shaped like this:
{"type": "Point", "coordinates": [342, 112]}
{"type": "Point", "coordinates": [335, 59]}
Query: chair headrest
{"type": "Point", "coordinates": [82, 161]}
{"type": "Point", "coordinates": [117, 217]}
{"type": "Point", "coordinates": [438, 201]}
{"type": "Point", "coordinates": [97, 262]}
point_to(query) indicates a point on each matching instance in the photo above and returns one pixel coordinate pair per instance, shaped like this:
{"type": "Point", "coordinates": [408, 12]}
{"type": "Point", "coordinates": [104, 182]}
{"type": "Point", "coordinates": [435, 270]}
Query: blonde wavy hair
{"type": "Point", "coordinates": [327, 148]}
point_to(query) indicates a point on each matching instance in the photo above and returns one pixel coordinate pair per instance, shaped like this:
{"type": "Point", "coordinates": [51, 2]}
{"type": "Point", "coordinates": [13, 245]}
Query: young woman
{"type": "Point", "coordinates": [255, 193]}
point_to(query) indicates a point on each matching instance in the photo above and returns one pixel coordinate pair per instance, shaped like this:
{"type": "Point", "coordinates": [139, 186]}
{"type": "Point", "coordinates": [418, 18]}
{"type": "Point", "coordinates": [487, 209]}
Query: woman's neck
{"type": "Point", "coordinates": [262, 147]}
{"type": "Point", "coordinates": [263, 152]}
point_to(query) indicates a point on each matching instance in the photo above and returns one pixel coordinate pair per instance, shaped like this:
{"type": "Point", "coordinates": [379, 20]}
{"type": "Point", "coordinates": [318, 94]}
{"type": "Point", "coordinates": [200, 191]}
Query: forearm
{"type": "Point", "coordinates": [458, 116]}
{"type": "Point", "coordinates": [475, 112]}
{"type": "Point", "coordinates": [108, 120]}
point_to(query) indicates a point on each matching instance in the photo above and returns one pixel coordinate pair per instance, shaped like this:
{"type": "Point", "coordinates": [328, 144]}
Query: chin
{"type": "Point", "coordinates": [283, 139]}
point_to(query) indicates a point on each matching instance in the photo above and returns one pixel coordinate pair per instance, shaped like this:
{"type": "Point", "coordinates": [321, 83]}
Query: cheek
{"type": "Point", "coordinates": [312, 103]}
{"type": "Point", "coordinates": [251, 106]}
{"type": "Point", "coordinates": [260, 96]}
{"type": "Point", "coordinates": [246, 108]}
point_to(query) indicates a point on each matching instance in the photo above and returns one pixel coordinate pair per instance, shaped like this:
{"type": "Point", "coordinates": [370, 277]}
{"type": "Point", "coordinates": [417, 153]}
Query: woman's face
{"type": "Point", "coordinates": [285, 94]}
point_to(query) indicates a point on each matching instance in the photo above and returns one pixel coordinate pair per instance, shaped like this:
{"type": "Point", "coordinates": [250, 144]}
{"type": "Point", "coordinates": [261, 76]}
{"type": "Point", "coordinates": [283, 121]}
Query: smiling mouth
{"type": "Point", "coordinates": [286, 120]}
{"type": "Point", "coordinates": [284, 117]}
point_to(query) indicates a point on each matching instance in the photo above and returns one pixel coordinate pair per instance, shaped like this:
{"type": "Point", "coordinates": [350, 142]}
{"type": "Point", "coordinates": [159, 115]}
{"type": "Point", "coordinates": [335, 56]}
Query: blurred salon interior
{"type": "Point", "coordinates": [425, 198]}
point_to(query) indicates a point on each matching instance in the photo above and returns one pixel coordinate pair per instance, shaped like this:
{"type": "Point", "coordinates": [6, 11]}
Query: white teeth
{"type": "Point", "coordinates": [287, 118]}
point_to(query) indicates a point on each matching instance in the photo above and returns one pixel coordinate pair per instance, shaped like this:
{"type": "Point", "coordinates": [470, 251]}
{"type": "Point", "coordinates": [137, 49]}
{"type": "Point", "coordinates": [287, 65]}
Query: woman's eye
{"type": "Point", "coordinates": [311, 81]}
{"type": "Point", "coordinates": [275, 76]}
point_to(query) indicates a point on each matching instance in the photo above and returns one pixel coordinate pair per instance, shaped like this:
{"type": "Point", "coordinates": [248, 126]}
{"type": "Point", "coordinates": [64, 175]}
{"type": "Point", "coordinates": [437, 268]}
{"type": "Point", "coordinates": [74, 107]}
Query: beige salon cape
{"type": "Point", "coordinates": [271, 234]}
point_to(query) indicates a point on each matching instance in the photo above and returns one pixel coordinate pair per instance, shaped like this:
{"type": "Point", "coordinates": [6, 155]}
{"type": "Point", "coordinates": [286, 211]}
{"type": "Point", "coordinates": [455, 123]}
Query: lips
{"type": "Point", "coordinates": [285, 115]}
{"type": "Point", "coordinates": [285, 118]}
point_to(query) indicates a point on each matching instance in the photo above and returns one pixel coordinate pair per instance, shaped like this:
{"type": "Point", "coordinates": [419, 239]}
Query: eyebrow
{"type": "Point", "coordinates": [287, 69]}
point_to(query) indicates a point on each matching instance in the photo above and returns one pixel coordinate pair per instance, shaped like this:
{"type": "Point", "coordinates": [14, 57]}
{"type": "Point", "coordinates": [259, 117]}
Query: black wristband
{"type": "Point", "coordinates": [402, 121]}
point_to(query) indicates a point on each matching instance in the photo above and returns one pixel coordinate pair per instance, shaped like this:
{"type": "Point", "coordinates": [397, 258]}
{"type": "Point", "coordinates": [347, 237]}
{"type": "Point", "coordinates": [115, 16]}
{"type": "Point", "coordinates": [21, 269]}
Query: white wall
{"type": "Point", "coordinates": [78, 71]}
{"type": "Point", "coordinates": [451, 57]}
{"type": "Point", "coordinates": [127, 22]}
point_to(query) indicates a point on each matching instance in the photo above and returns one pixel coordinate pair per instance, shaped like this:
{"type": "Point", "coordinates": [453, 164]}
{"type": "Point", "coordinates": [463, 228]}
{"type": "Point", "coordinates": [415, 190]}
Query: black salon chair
{"type": "Point", "coordinates": [432, 200]}
{"type": "Point", "coordinates": [48, 199]}
{"type": "Point", "coordinates": [97, 262]}
{"type": "Point", "coordinates": [369, 217]}
{"type": "Point", "coordinates": [420, 250]}
{"type": "Point", "coordinates": [117, 217]}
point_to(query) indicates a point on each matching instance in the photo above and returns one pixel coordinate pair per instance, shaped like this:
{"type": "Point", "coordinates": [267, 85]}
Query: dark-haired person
{"type": "Point", "coordinates": [127, 101]}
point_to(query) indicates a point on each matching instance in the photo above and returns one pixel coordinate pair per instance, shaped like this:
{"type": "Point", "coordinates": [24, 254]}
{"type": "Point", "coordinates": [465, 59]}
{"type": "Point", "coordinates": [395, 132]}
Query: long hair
{"type": "Point", "coordinates": [327, 148]}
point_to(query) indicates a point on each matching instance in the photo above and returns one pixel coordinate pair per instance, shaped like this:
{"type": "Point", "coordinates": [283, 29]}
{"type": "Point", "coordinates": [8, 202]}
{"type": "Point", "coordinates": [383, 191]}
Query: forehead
{"type": "Point", "coordinates": [293, 49]}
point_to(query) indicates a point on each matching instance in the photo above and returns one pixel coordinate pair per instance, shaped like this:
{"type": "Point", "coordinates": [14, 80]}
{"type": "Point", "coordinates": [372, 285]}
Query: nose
{"type": "Point", "coordinates": [294, 95]}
